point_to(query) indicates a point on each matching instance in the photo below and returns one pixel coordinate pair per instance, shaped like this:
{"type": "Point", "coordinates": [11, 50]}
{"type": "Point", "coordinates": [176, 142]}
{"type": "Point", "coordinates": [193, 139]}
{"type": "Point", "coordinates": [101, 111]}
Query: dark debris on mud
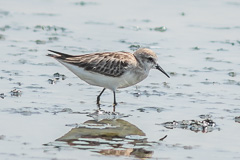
{"type": "Point", "coordinates": [16, 93]}
{"type": "Point", "coordinates": [204, 126]}
{"type": "Point", "coordinates": [13, 93]}
{"type": "Point", "coordinates": [57, 77]}
{"type": "Point", "coordinates": [2, 95]}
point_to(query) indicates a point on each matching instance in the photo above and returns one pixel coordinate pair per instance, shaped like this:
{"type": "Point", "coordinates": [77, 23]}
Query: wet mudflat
{"type": "Point", "coordinates": [46, 112]}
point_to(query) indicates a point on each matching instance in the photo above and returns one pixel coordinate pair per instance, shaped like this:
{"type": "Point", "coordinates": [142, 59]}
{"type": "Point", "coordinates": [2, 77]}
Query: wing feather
{"type": "Point", "coordinates": [112, 64]}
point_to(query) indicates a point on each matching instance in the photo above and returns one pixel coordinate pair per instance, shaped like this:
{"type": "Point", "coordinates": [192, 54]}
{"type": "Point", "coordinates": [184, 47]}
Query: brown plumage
{"type": "Point", "coordinates": [112, 64]}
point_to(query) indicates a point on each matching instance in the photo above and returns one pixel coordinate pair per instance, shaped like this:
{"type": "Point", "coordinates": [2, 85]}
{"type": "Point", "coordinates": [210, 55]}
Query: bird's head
{"type": "Point", "coordinates": [148, 60]}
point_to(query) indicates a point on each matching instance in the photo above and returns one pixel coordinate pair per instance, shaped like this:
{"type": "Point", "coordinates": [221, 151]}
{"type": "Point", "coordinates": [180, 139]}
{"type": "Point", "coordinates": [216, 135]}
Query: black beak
{"type": "Point", "coordinates": [160, 69]}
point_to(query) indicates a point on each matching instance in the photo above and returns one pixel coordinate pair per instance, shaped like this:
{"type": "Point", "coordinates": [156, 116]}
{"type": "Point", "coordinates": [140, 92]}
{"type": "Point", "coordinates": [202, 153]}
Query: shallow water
{"type": "Point", "coordinates": [192, 115]}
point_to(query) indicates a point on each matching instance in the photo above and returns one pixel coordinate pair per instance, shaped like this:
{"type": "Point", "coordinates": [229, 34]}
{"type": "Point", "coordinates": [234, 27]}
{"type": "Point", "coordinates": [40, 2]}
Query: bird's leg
{"type": "Point", "coordinates": [114, 101]}
{"type": "Point", "coordinates": [98, 97]}
{"type": "Point", "coordinates": [114, 108]}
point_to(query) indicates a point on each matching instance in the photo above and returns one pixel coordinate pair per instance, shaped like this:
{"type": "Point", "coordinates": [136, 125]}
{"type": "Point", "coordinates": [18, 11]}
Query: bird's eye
{"type": "Point", "coordinates": [150, 59]}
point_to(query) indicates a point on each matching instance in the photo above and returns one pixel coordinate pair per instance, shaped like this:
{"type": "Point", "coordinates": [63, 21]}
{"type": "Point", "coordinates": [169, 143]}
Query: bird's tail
{"type": "Point", "coordinates": [58, 55]}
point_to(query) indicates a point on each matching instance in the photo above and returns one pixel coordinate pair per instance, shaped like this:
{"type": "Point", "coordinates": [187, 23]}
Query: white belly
{"type": "Point", "coordinates": [112, 83]}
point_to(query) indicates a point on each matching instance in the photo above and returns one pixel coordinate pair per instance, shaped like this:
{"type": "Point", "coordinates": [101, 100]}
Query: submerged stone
{"type": "Point", "coordinates": [16, 93]}
{"type": "Point", "coordinates": [205, 126]}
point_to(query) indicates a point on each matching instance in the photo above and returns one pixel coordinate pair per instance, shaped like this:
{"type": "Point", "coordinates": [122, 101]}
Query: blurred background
{"type": "Point", "coordinates": [46, 112]}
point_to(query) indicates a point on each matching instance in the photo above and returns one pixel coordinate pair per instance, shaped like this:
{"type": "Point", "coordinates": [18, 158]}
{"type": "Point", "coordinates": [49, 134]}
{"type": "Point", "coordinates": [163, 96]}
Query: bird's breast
{"type": "Point", "coordinates": [132, 78]}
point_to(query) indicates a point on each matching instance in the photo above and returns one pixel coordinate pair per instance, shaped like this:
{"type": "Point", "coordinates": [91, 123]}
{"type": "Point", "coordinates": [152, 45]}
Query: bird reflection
{"type": "Point", "coordinates": [109, 137]}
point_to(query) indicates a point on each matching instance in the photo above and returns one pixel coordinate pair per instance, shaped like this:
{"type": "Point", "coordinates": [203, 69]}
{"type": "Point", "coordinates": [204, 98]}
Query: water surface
{"type": "Point", "coordinates": [192, 115]}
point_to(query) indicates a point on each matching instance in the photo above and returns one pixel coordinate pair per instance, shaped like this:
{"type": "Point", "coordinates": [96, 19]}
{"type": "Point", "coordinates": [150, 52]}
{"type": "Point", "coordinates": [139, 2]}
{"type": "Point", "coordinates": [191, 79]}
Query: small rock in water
{"type": "Point", "coordinates": [63, 77]}
{"type": "Point", "coordinates": [51, 81]}
{"type": "Point", "coordinates": [2, 37]}
{"type": "Point", "coordinates": [237, 119]}
{"type": "Point", "coordinates": [166, 85]}
{"type": "Point", "coordinates": [205, 116]}
{"type": "Point", "coordinates": [134, 47]}
{"type": "Point", "coordinates": [57, 76]}
{"type": "Point", "coordinates": [2, 137]}
{"type": "Point", "coordinates": [205, 126]}
{"type": "Point", "coordinates": [148, 109]}
{"type": "Point", "coordinates": [16, 93]}
{"type": "Point", "coordinates": [84, 3]}
{"type": "Point", "coordinates": [19, 83]}
{"type": "Point", "coordinates": [222, 49]}
{"type": "Point", "coordinates": [232, 74]}
{"type": "Point", "coordinates": [69, 110]}
{"type": "Point", "coordinates": [2, 95]}
{"type": "Point", "coordinates": [40, 42]}
{"type": "Point", "coordinates": [160, 29]}
{"type": "Point", "coordinates": [173, 73]}
{"type": "Point", "coordinates": [136, 94]}
{"type": "Point", "coordinates": [182, 14]}
{"type": "Point", "coordinates": [196, 48]}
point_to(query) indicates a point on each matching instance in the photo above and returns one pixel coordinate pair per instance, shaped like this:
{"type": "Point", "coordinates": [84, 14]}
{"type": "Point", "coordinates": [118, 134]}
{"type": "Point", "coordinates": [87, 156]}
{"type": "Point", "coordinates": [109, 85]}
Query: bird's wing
{"type": "Point", "coordinates": [112, 64]}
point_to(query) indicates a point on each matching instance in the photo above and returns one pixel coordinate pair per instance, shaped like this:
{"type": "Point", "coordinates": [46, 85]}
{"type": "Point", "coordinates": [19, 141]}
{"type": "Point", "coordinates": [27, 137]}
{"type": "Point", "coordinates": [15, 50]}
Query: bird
{"type": "Point", "coordinates": [111, 70]}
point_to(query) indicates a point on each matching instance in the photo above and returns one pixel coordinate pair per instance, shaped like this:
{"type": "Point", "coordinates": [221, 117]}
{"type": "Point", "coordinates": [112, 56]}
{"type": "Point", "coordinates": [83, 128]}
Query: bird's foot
{"type": "Point", "coordinates": [99, 106]}
{"type": "Point", "coordinates": [114, 106]}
